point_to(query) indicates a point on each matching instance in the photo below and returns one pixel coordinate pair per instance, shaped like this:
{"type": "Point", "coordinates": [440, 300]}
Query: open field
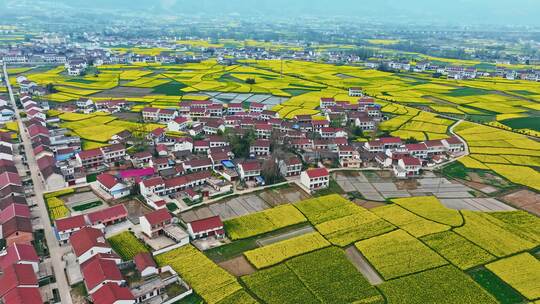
{"type": "Point", "coordinates": [423, 245]}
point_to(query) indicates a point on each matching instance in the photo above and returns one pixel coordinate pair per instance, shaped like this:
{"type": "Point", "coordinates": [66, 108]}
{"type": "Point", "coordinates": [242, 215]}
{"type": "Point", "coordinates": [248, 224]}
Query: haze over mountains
{"type": "Point", "coordinates": [458, 12]}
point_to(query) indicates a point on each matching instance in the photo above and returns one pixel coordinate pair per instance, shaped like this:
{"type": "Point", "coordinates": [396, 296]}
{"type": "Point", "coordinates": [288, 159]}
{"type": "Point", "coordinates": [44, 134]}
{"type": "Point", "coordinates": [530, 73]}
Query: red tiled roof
{"type": "Point", "coordinates": [411, 161]}
{"type": "Point", "coordinates": [17, 253]}
{"type": "Point", "coordinates": [317, 172]}
{"type": "Point", "coordinates": [454, 141]}
{"type": "Point", "coordinates": [107, 214]}
{"type": "Point", "coordinates": [390, 140]}
{"type": "Point", "coordinates": [416, 147]}
{"type": "Point", "coordinates": [152, 110]}
{"type": "Point", "coordinates": [107, 180]}
{"type": "Point", "coordinates": [16, 225]}
{"type": "Point", "coordinates": [90, 153]}
{"type": "Point", "coordinates": [251, 166]}
{"type": "Point", "coordinates": [154, 181]}
{"type": "Point", "coordinates": [210, 223]}
{"type": "Point", "coordinates": [8, 178]}
{"type": "Point", "coordinates": [87, 238]}
{"type": "Point", "coordinates": [23, 295]}
{"type": "Point", "coordinates": [261, 143]}
{"type": "Point", "coordinates": [293, 161]}
{"type": "Point", "coordinates": [100, 270]}
{"type": "Point", "coordinates": [17, 275]}
{"type": "Point", "coordinates": [68, 223]}
{"type": "Point", "coordinates": [328, 99]}
{"type": "Point", "coordinates": [433, 143]}
{"type": "Point", "coordinates": [144, 260]}
{"type": "Point", "coordinates": [158, 216]}
{"type": "Point", "coordinates": [14, 210]}
{"type": "Point", "coordinates": [110, 293]}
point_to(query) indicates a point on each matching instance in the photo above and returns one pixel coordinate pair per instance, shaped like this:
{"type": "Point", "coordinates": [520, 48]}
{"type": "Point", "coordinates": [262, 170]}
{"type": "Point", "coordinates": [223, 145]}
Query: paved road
{"type": "Point", "coordinates": [285, 236]}
{"type": "Point", "coordinates": [362, 265]}
{"type": "Point", "coordinates": [39, 188]}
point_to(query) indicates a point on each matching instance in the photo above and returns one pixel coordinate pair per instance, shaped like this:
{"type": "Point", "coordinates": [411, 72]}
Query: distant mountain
{"type": "Point", "coordinates": [503, 12]}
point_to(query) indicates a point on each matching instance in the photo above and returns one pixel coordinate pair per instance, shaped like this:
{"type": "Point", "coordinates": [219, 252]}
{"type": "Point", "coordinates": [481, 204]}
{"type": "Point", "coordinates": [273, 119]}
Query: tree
{"type": "Point", "coordinates": [270, 171]}
{"type": "Point", "coordinates": [250, 80]}
{"type": "Point", "coordinates": [411, 140]}
{"type": "Point", "coordinates": [240, 144]}
{"type": "Point", "coordinates": [50, 88]}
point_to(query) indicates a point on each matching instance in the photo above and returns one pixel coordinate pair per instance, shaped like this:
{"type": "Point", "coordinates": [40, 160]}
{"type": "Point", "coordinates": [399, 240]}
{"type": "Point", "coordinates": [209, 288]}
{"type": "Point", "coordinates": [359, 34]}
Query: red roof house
{"type": "Point", "coordinates": [111, 293]}
{"type": "Point", "coordinates": [206, 227]}
{"type": "Point", "coordinates": [154, 222]}
{"type": "Point", "coordinates": [99, 272]}
{"type": "Point", "coordinates": [20, 254]}
{"type": "Point", "coordinates": [17, 275]}
{"type": "Point", "coordinates": [67, 226]}
{"type": "Point", "coordinates": [108, 216]}
{"type": "Point", "coordinates": [88, 242]}
{"type": "Point", "coordinates": [14, 210]}
{"type": "Point", "coordinates": [23, 295]}
{"type": "Point", "coordinates": [145, 264]}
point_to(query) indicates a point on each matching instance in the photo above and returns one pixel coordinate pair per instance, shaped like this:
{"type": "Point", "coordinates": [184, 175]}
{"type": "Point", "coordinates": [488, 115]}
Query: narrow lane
{"type": "Point", "coordinates": [39, 189]}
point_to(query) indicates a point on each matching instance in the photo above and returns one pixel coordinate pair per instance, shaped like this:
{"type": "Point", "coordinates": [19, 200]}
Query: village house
{"type": "Point", "coordinates": [19, 253]}
{"type": "Point", "coordinates": [153, 223]}
{"type": "Point", "coordinates": [88, 242]}
{"type": "Point", "coordinates": [315, 179]}
{"type": "Point", "coordinates": [407, 167]}
{"type": "Point", "coordinates": [112, 186]}
{"type": "Point", "coordinates": [65, 227]}
{"type": "Point", "coordinates": [249, 170]}
{"type": "Point", "coordinates": [202, 228]}
{"type": "Point", "coordinates": [108, 216]}
{"type": "Point", "coordinates": [356, 92]}
{"type": "Point", "coordinates": [98, 272]}
{"type": "Point", "coordinates": [145, 264]}
{"type": "Point", "coordinates": [260, 147]}
{"type": "Point", "coordinates": [290, 167]}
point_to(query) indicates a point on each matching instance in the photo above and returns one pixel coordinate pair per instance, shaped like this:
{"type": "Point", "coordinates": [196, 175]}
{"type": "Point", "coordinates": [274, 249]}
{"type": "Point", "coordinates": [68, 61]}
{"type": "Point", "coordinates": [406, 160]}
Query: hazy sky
{"type": "Point", "coordinates": [504, 12]}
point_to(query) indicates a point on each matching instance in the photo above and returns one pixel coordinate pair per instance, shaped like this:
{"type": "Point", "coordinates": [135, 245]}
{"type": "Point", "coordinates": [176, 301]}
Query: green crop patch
{"type": "Point", "coordinates": [329, 275]}
{"type": "Point", "coordinates": [457, 249]}
{"type": "Point", "coordinates": [444, 285]}
{"type": "Point", "coordinates": [397, 253]}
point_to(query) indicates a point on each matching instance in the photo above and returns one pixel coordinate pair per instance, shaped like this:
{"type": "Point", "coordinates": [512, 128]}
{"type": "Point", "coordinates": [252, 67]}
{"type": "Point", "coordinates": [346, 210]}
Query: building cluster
{"type": "Point", "coordinates": [108, 279]}
{"type": "Point", "coordinates": [456, 72]}
{"type": "Point", "coordinates": [408, 159]}
{"type": "Point", "coordinates": [22, 270]}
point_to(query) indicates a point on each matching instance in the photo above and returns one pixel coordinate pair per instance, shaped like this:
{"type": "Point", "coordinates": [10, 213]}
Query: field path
{"type": "Point", "coordinates": [285, 236]}
{"type": "Point", "coordinates": [362, 265]}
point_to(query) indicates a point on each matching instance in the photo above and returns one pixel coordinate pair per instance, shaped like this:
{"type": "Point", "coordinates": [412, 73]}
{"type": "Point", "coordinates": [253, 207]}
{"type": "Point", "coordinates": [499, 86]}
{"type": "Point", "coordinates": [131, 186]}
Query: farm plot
{"type": "Point", "coordinates": [522, 272]}
{"type": "Point", "coordinates": [408, 221]}
{"type": "Point", "coordinates": [274, 253]}
{"type": "Point", "coordinates": [208, 280]}
{"type": "Point", "coordinates": [507, 154]}
{"type": "Point", "coordinates": [458, 250]}
{"type": "Point", "coordinates": [492, 235]}
{"type": "Point", "coordinates": [279, 285]}
{"type": "Point", "coordinates": [264, 221]}
{"type": "Point", "coordinates": [397, 253]}
{"type": "Point", "coordinates": [358, 226]}
{"type": "Point", "coordinates": [326, 208]}
{"type": "Point", "coordinates": [329, 275]}
{"type": "Point", "coordinates": [430, 207]}
{"type": "Point", "coordinates": [445, 285]}
{"type": "Point", "coordinates": [126, 245]}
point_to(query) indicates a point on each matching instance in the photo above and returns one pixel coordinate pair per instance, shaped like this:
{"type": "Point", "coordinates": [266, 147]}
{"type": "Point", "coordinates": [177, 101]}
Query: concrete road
{"type": "Point", "coordinates": [285, 236]}
{"type": "Point", "coordinates": [362, 265]}
{"type": "Point", "coordinates": [39, 188]}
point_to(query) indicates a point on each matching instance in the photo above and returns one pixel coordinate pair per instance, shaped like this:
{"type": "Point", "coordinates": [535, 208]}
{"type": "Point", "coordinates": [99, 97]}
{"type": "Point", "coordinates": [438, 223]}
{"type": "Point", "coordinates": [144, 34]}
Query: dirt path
{"type": "Point", "coordinates": [285, 236]}
{"type": "Point", "coordinates": [362, 265]}
{"type": "Point", "coordinates": [238, 266]}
